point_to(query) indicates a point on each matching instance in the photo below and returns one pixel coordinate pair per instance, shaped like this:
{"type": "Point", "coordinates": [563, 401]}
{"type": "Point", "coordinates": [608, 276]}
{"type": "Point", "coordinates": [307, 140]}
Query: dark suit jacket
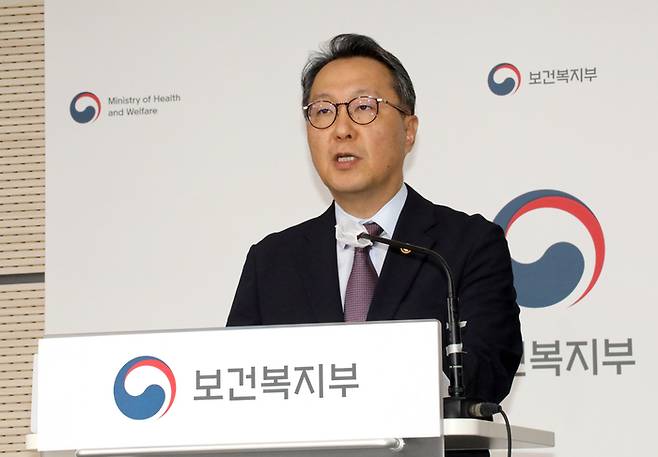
{"type": "Point", "coordinates": [291, 277]}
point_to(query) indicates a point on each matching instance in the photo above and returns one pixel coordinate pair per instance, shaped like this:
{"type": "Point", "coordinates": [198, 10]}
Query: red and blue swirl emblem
{"type": "Point", "coordinates": [559, 270]}
{"type": "Point", "coordinates": [90, 112]}
{"type": "Point", "coordinates": [149, 402]}
{"type": "Point", "coordinates": [508, 85]}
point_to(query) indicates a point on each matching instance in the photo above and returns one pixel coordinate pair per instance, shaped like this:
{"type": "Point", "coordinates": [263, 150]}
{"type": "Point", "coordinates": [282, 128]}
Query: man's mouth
{"type": "Point", "coordinates": [345, 158]}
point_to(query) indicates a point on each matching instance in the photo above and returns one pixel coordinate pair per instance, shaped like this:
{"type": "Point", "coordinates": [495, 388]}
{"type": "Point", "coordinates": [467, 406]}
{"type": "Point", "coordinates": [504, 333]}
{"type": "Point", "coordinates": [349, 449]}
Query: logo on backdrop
{"type": "Point", "coordinates": [149, 402]}
{"type": "Point", "coordinates": [135, 106]}
{"type": "Point", "coordinates": [509, 85]}
{"type": "Point", "coordinates": [90, 112]}
{"type": "Point", "coordinates": [541, 77]}
{"type": "Point", "coordinates": [556, 274]}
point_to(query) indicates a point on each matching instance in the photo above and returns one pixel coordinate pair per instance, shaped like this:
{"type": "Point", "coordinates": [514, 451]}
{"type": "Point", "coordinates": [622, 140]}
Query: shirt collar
{"type": "Point", "coordinates": [387, 217]}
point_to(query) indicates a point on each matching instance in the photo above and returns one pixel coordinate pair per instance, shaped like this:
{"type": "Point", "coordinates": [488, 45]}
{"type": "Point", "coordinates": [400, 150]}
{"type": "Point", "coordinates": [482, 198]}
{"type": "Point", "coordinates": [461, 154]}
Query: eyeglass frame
{"type": "Point", "coordinates": [347, 110]}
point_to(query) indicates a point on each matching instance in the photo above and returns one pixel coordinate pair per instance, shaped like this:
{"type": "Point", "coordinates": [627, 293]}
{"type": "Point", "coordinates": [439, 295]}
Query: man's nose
{"type": "Point", "coordinates": [343, 126]}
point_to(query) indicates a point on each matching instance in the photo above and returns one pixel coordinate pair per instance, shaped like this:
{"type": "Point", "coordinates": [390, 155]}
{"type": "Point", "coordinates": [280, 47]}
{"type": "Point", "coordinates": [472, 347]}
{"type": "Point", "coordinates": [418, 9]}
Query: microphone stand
{"type": "Point", "coordinates": [456, 405]}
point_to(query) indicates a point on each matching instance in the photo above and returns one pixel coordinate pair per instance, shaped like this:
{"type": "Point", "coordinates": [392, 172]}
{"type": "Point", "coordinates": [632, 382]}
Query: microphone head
{"type": "Point", "coordinates": [484, 409]}
{"type": "Point", "coordinates": [348, 233]}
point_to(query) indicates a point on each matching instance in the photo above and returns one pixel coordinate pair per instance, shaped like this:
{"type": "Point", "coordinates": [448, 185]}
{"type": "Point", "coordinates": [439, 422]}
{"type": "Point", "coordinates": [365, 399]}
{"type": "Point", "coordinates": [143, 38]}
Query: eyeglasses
{"type": "Point", "coordinates": [362, 110]}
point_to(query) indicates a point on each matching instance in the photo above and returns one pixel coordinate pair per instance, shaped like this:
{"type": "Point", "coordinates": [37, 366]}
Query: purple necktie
{"type": "Point", "coordinates": [362, 282]}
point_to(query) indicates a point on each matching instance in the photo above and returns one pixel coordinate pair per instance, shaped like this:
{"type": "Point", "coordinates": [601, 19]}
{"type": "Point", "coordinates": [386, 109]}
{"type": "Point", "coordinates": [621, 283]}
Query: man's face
{"type": "Point", "coordinates": [360, 161]}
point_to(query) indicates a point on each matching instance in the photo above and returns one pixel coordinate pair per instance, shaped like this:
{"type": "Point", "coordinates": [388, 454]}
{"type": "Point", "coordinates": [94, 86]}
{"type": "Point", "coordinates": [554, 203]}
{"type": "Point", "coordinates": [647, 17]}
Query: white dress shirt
{"type": "Point", "coordinates": [387, 218]}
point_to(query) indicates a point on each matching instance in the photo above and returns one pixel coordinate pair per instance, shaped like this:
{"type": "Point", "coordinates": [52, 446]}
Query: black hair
{"type": "Point", "coordinates": [352, 45]}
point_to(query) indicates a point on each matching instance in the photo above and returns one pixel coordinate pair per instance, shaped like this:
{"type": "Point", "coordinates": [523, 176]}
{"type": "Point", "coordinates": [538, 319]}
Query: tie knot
{"type": "Point", "coordinates": [373, 229]}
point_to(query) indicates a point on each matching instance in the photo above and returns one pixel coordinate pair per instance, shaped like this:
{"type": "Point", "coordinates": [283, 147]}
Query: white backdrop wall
{"type": "Point", "coordinates": [149, 216]}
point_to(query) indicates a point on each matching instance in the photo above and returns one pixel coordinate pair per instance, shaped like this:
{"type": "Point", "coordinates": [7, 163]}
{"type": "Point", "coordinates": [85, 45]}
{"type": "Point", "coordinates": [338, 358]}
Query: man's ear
{"type": "Point", "coordinates": [410, 127]}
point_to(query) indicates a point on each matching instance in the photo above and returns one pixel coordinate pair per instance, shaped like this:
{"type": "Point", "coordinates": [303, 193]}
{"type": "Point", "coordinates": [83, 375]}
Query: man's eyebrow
{"type": "Point", "coordinates": [354, 93]}
{"type": "Point", "coordinates": [321, 96]}
{"type": "Point", "coordinates": [364, 91]}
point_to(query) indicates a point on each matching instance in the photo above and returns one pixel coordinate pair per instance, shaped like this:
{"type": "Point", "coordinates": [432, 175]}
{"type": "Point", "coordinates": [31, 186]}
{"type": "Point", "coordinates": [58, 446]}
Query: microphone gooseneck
{"type": "Point", "coordinates": [454, 348]}
{"type": "Point", "coordinates": [456, 405]}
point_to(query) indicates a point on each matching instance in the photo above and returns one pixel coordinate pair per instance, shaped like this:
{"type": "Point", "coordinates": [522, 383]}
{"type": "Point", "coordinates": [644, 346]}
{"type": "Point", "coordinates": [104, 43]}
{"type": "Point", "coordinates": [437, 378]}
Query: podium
{"type": "Point", "coordinates": [370, 389]}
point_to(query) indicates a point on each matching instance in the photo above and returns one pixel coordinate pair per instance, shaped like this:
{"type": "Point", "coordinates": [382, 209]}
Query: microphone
{"type": "Point", "coordinates": [484, 409]}
{"type": "Point", "coordinates": [454, 348]}
{"type": "Point", "coordinates": [456, 405]}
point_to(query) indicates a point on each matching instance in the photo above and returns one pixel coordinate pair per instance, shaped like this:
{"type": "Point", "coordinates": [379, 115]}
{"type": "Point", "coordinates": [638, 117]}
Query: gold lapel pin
{"type": "Point", "coordinates": [405, 251]}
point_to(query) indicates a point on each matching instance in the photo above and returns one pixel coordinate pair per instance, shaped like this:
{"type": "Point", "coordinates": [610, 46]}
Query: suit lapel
{"type": "Point", "coordinates": [400, 270]}
{"type": "Point", "coordinates": [318, 268]}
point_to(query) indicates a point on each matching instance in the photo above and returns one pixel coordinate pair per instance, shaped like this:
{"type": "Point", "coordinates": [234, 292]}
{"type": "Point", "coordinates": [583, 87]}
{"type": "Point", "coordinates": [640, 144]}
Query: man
{"type": "Point", "coordinates": [359, 105]}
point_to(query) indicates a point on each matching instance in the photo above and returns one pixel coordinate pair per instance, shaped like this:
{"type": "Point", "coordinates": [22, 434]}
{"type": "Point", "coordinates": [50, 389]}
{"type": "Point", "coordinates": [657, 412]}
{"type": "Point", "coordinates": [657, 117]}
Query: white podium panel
{"type": "Point", "coordinates": [335, 382]}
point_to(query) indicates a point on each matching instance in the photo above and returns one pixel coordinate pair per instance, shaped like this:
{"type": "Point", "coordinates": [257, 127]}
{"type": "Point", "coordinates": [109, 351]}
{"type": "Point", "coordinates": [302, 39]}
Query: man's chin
{"type": "Point", "coordinates": [348, 191]}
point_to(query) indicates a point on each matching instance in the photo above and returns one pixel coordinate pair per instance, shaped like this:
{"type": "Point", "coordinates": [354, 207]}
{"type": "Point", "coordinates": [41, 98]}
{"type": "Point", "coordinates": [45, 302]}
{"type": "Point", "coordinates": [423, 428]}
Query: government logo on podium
{"type": "Point", "coordinates": [152, 399]}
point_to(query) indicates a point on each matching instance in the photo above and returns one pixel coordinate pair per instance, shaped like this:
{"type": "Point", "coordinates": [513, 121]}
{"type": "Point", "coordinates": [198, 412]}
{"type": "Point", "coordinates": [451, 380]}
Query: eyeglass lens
{"type": "Point", "coordinates": [361, 110]}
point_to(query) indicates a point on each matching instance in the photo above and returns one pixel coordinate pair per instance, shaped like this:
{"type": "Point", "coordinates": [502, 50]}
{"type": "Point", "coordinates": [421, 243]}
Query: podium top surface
{"type": "Point", "coordinates": [481, 434]}
{"type": "Point", "coordinates": [460, 434]}
{"type": "Point", "coordinates": [235, 329]}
